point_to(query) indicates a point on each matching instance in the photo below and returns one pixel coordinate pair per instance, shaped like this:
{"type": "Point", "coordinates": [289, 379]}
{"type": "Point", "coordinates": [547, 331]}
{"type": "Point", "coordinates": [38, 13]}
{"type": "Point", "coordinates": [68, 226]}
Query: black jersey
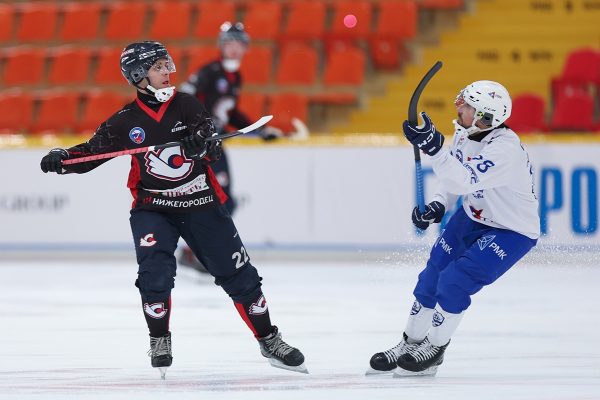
{"type": "Point", "coordinates": [163, 179]}
{"type": "Point", "coordinates": [219, 91]}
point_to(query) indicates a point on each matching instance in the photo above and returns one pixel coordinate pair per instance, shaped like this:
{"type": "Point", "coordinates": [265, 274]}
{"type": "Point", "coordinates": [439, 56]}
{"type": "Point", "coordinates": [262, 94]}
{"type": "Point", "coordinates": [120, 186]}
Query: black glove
{"type": "Point", "coordinates": [215, 149]}
{"type": "Point", "coordinates": [194, 145]}
{"type": "Point", "coordinates": [425, 137]}
{"type": "Point", "coordinates": [52, 162]}
{"type": "Point", "coordinates": [434, 212]}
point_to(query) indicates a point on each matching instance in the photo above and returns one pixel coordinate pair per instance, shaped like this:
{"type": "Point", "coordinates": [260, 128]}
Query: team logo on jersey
{"type": "Point", "coordinates": [485, 241]}
{"type": "Point", "coordinates": [170, 164]}
{"type": "Point", "coordinates": [137, 135]}
{"type": "Point", "coordinates": [476, 213]}
{"type": "Point", "coordinates": [437, 319]}
{"type": "Point", "coordinates": [259, 307]}
{"type": "Point", "coordinates": [155, 310]}
{"type": "Point", "coordinates": [148, 240]}
{"type": "Point", "coordinates": [416, 307]}
{"type": "Point", "coordinates": [222, 85]}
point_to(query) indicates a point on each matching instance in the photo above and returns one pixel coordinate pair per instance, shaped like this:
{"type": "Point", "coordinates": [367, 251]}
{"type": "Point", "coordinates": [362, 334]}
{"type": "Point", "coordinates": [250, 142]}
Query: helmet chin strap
{"type": "Point", "coordinates": [162, 95]}
{"type": "Point", "coordinates": [461, 130]}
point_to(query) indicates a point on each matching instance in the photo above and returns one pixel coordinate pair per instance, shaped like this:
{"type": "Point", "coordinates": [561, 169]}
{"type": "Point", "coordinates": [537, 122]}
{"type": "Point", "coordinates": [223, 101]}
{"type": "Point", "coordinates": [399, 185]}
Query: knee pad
{"type": "Point", "coordinates": [243, 286]}
{"type": "Point", "coordinates": [454, 290]}
{"type": "Point", "coordinates": [156, 278]}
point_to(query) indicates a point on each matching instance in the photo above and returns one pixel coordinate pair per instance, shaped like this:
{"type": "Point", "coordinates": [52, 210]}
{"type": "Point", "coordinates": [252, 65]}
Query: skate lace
{"type": "Point", "coordinates": [278, 347]}
{"type": "Point", "coordinates": [159, 346]}
{"type": "Point", "coordinates": [395, 352]}
{"type": "Point", "coordinates": [424, 351]}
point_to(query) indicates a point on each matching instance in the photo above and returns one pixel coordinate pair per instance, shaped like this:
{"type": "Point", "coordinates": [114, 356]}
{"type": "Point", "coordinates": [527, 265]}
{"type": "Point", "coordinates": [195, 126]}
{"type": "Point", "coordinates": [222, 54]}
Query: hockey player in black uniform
{"type": "Point", "coordinates": [176, 194]}
{"type": "Point", "coordinates": [217, 85]}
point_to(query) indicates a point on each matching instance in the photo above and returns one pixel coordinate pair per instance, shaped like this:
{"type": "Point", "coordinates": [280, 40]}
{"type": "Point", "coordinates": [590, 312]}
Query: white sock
{"type": "Point", "coordinates": [419, 322]}
{"type": "Point", "coordinates": [443, 326]}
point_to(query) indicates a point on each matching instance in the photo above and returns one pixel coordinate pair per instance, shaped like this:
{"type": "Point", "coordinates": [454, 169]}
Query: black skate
{"type": "Point", "coordinates": [385, 362]}
{"type": "Point", "coordinates": [160, 353]}
{"type": "Point", "coordinates": [280, 354]}
{"type": "Point", "coordinates": [423, 360]}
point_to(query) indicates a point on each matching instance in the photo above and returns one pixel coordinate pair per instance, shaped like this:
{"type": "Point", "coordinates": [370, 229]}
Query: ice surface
{"type": "Point", "coordinates": [73, 330]}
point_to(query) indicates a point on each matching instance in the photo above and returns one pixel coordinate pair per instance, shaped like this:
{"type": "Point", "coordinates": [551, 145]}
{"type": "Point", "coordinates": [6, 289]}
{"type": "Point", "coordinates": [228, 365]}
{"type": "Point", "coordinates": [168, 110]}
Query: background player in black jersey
{"type": "Point", "coordinates": [217, 85]}
{"type": "Point", "coordinates": [176, 194]}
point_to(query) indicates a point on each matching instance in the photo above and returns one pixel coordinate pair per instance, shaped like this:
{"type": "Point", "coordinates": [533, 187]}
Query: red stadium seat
{"type": "Point", "coordinates": [7, 20]}
{"type": "Point", "coordinates": [263, 19]}
{"type": "Point", "coordinates": [284, 107]}
{"type": "Point", "coordinates": [573, 111]}
{"type": "Point", "coordinates": [252, 104]}
{"type": "Point", "coordinates": [20, 104]}
{"type": "Point", "coordinates": [385, 53]}
{"type": "Point", "coordinates": [198, 57]}
{"type": "Point", "coordinates": [69, 65]}
{"type": "Point", "coordinates": [257, 65]}
{"type": "Point", "coordinates": [125, 20]}
{"type": "Point", "coordinates": [107, 68]}
{"type": "Point", "coordinates": [211, 16]}
{"type": "Point", "coordinates": [306, 20]}
{"type": "Point", "coordinates": [345, 66]}
{"type": "Point", "coordinates": [297, 65]}
{"type": "Point", "coordinates": [23, 65]}
{"type": "Point", "coordinates": [580, 71]}
{"type": "Point", "coordinates": [397, 19]}
{"type": "Point", "coordinates": [99, 106]}
{"type": "Point", "coordinates": [528, 114]}
{"type": "Point", "coordinates": [81, 21]}
{"type": "Point", "coordinates": [57, 112]}
{"type": "Point", "coordinates": [38, 21]}
{"type": "Point", "coordinates": [171, 20]}
{"type": "Point", "coordinates": [361, 9]}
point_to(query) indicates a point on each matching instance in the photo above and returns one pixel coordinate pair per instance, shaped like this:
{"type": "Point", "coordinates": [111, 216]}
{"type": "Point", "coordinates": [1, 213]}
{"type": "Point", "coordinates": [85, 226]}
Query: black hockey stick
{"type": "Point", "coordinates": [414, 121]}
{"type": "Point", "coordinates": [262, 121]}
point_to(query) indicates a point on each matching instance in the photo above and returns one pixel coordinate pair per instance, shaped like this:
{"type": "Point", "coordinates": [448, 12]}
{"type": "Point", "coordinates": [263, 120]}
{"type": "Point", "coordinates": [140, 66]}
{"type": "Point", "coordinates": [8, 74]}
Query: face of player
{"type": "Point", "coordinates": [233, 50]}
{"type": "Point", "coordinates": [158, 74]}
{"type": "Point", "coordinates": [466, 114]}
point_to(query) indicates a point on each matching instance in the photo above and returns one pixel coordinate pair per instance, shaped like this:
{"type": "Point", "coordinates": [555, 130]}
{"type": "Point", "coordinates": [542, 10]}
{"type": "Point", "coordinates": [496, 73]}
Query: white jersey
{"type": "Point", "coordinates": [495, 179]}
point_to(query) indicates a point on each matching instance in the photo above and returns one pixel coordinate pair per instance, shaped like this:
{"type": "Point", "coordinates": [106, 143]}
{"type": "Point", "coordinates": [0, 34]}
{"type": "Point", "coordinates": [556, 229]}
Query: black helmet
{"type": "Point", "coordinates": [235, 32]}
{"type": "Point", "coordinates": [138, 58]}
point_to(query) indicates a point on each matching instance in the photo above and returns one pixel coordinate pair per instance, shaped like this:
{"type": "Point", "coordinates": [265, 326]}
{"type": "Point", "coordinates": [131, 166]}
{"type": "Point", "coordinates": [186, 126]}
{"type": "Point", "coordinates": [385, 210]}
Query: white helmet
{"type": "Point", "coordinates": [491, 101]}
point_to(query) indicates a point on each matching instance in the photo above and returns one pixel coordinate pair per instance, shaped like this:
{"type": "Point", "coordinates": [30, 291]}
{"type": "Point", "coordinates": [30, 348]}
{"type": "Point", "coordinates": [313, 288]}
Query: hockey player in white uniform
{"type": "Point", "coordinates": [497, 225]}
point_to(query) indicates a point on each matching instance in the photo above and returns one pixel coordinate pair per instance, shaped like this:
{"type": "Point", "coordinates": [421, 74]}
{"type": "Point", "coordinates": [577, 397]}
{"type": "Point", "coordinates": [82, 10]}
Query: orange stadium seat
{"type": "Point", "coordinates": [297, 65]}
{"type": "Point", "coordinates": [57, 111]}
{"type": "Point", "coordinates": [345, 66]}
{"type": "Point", "coordinates": [81, 21]}
{"type": "Point", "coordinates": [361, 9]}
{"type": "Point", "coordinates": [385, 53]}
{"type": "Point", "coordinates": [38, 21]}
{"type": "Point", "coordinates": [198, 57]}
{"type": "Point", "coordinates": [211, 15]}
{"type": "Point", "coordinates": [397, 19]}
{"type": "Point", "coordinates": [98, 107]}
{"type": "Point", "coordinates": [7, 19]}
{"type": "Point", "coordinates": [23, 65]}
{"type": "Point", "coordinates": [528, 114]}
{"type": "Point", "coordinates": [306, 20]}
{"type": "Point", "coordinates": [125, 20]}
{"type": "Point", "coordinates": [252, 104]}
{"type": "Point", "coordinates": [263, 19]}
{"type": "Point", "coordinates": [257, 65]}
{"type": "Point", "coordinates": [107, 66]}
{"type": "Point", "coordinates": [171, 20]}
{"type": "Point", "coordinates": [284, 107]}
{"type": "Point", "coordinates": [69, 65]}
{"type": "Point", "coordinates": [20, 104]}
{"type": "Point", "coordinates": [573, 111]}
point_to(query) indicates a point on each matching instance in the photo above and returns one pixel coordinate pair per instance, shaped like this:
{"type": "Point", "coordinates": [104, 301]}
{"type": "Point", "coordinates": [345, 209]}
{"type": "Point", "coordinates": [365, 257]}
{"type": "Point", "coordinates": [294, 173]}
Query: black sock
{"type": "Point", "coordinates": [256, 316]}
{"type": "Point", "coordinates": [157, 314]}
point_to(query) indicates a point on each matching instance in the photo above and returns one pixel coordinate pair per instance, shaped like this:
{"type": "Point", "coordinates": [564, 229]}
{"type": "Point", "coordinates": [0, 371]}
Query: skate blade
{"type": "Point", "coordinates": [277, 364]}
{"type": "Point", "coordinates": [163, 372]}
{"type": "Point", "coordinates": [402, 373]}
{"type": "Point", "coordinates": [372, 372]}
